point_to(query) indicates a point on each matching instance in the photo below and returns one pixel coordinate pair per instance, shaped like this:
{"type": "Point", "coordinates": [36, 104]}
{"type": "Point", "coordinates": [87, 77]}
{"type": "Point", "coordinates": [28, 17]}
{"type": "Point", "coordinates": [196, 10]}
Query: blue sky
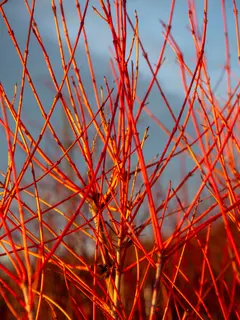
{"type": "Point", "coordinates": [150, 13]}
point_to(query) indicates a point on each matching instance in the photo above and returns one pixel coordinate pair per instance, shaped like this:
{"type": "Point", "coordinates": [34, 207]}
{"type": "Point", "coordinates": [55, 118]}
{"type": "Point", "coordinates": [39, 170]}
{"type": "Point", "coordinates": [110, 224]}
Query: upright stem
{"type": "Point", "coordinates": [117, 277]}
{"type": "Point", "coordinates": [156, 286]}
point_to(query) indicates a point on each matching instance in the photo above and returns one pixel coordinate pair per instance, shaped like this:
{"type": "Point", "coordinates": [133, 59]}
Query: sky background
{"type": "Point", "coordinates": [150, 12]}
